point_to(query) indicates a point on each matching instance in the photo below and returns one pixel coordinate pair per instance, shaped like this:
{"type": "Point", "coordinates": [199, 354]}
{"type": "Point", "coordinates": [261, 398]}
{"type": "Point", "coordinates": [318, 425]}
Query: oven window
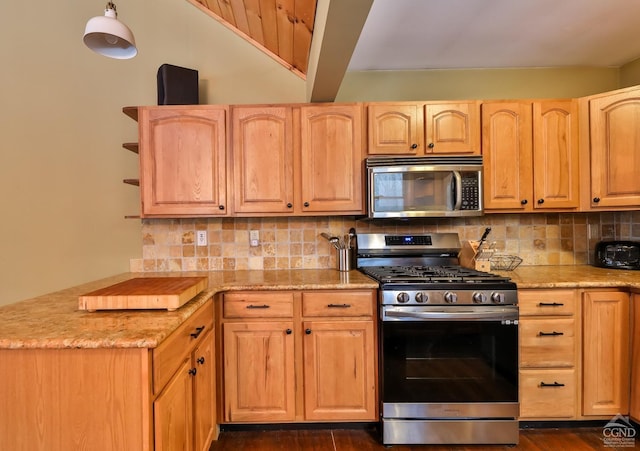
{"type": "Point", "coordinates": [449, 361]}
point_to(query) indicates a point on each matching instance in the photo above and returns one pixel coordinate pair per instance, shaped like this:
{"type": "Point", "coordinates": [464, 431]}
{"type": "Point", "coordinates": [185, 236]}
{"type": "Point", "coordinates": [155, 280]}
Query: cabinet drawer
{"type": "Point", "coordinates": [172, 352]}
{"type": "Point", "coordinates": [258, 305]}
{"type": "Point", "coordinates": [546, 343]}
{"type": "Point", "coordinates": [338, 303]}
{"type": "Point", "coordinates": [547, 302]}
{"type": "Point", "coordinates": [547, 393]}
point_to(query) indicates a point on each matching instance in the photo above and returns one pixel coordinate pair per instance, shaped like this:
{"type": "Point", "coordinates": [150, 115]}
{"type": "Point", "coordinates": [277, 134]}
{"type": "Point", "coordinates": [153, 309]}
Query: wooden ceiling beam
{"type": "Point", "coordinates": [336, 31]}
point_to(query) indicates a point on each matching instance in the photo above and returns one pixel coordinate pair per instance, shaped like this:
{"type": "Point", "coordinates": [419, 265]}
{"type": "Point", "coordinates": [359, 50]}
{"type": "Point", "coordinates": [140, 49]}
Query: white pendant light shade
{"type": "Point", "coordinates": [108, 36]}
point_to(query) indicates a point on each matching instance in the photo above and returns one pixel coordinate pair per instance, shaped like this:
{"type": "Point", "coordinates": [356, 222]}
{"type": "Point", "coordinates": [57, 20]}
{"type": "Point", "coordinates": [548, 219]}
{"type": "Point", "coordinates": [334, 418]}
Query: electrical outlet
{"type": "Point", "coordinates": [201, 237]}
{"type": "Point", "coordinates": [254, 238]}
{"type": "Point", "coordinates": [592, 231]}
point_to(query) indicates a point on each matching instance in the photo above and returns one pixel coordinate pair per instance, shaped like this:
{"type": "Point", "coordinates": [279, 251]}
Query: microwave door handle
{"type": "Point", "coordinates": [457, 186]}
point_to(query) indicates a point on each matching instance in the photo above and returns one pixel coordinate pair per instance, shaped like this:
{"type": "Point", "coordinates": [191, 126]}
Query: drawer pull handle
{"type": "Point", "coordinates": [339, 305]}
{"type": "Point", "coordinates": [198, 331]}
{"type": "Point", "coordinates": [550, 304]}
{"type": "Point", "coordinates": [193, 371]}
{"type": "Point", "coordinates": [555, 384]}
{"type": "Point", "coordinates": [258, 306]}
{"type": "Point", "coordinates": [200, 360]}
{"type": "Point", "coordinates": [550, 334]}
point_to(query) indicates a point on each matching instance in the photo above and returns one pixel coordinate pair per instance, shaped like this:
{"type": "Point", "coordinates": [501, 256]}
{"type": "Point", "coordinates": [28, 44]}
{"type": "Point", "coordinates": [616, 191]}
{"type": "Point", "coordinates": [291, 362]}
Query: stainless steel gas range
{"type": "Point", "coordinates": [448, 343]}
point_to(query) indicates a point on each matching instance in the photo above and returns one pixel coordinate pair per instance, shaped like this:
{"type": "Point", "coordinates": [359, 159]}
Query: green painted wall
{"type": "Point", "coordinates": [630, 74]}
{"type": "Point", "coordinates": [61, 161]}
{"type": "Point", "coordinates": [476, 84]}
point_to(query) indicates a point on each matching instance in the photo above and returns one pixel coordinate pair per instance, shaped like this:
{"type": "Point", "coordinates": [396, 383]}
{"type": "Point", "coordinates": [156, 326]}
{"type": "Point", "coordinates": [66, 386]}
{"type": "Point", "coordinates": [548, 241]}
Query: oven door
{"type": "Point", "coordinates": [449, 362]}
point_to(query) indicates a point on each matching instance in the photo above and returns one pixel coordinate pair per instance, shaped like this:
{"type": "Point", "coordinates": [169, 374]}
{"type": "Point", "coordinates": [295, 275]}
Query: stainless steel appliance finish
{"type": "Point", "coordinates": [432, 186]}
{"type": "Point", "coordinates": [448, 343]}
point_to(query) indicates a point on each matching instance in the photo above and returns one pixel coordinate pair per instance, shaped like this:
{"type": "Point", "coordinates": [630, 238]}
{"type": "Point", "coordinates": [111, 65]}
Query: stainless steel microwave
{"type": "Point", "coordinates": [414, 187]}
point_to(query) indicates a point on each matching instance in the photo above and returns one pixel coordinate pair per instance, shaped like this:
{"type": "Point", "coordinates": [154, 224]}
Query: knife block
{"type": "Point", "coordinates": [470, 257]}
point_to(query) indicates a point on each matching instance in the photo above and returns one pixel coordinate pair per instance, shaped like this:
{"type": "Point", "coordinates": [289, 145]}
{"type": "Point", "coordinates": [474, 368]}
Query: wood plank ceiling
{"type": "Point", "coordinates": [281, 28]}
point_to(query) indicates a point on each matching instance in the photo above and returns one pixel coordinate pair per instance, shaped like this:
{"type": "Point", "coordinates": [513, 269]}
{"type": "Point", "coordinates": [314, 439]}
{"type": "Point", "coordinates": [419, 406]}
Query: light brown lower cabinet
{"type": "Point", "coordinates": [299, 356]}
{"type": "Point", "coordinates": [605, 350]}
{"type": "Point", "coordinates": [112, 399]}
{"type": "Point", "coordinates": [634, 408]}
{"type": "Point", "coordinates": [549, 350]}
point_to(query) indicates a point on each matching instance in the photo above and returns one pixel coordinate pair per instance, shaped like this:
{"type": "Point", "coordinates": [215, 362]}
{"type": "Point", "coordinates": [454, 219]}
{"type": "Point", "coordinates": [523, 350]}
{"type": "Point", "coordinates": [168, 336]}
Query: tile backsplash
{"type": "Point", "coordinates": [295, 243]}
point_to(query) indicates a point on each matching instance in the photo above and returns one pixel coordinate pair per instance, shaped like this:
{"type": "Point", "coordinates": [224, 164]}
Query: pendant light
{"type": "Point", "coordinates": [108, 36]}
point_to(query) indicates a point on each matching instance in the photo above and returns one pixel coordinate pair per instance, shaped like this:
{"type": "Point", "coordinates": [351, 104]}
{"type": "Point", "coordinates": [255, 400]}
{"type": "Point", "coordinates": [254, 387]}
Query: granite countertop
{"type": "Point", "coordinates": [573, 276]}
{"type": "Point", "coordinates": [54, 320]}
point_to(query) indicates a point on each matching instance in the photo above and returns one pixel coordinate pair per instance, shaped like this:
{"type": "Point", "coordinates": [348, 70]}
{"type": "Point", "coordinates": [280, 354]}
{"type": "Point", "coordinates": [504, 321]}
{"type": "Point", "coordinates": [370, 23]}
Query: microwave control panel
{"type": "Point", "coordinates": [470, 192]}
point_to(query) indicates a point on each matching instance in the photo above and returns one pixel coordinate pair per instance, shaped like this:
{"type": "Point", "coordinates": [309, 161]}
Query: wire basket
{"type": "Point", "coordinates": [504, 262]}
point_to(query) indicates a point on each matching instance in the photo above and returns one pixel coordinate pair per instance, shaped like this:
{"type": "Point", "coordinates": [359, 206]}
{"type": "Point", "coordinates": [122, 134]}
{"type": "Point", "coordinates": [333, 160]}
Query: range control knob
{"type": "Point", "coordinates": [450, 297]}
{"type": "Point", "coordinates": [402, 297]}
{"type": "Point", "coordinates": [497, 298]}
{"type": "Point", "coordinates": [479, 297]}
{"type": "Point", "coordinates": [421, 297]}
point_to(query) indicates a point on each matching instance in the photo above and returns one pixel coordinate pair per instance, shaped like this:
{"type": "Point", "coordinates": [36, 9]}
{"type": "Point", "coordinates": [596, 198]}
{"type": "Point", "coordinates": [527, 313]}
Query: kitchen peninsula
{"type": "Point", "coordinates": [134, 380]}
{"type": "Point", "coordinates": [120, 352]}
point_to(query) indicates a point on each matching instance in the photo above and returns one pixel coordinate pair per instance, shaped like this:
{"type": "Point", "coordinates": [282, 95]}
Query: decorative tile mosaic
{"type": "Point", "coordinates": [295, 243]}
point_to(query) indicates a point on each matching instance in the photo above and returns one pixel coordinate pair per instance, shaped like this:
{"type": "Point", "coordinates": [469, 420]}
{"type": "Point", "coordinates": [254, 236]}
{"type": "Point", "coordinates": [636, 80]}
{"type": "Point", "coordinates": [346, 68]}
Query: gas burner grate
{"type": "Point", "coordinates": [430, 274]}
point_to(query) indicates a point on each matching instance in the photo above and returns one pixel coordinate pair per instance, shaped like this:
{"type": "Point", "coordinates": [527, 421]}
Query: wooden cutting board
{"type": "Point", "coordinates": [145, 293]}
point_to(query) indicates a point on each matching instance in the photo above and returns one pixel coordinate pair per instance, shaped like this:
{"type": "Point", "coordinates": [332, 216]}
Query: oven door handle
{"type": "Point", "coordinates": [485, 313]}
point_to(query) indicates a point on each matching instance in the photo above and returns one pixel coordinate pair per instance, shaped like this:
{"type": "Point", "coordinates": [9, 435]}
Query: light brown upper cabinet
{"type": "Point", "coordinates": [182, 160]}
{"type": "Point", "coordinates": [297, 160]}
{"type": "Point", "coordinates": [262, 159]}
{"type": "Point", "coordinates": [531, 158]}
{"type": "Point", "coordinates": [403, 128]}
{"type": "Point", "coordinates": [614, 150]}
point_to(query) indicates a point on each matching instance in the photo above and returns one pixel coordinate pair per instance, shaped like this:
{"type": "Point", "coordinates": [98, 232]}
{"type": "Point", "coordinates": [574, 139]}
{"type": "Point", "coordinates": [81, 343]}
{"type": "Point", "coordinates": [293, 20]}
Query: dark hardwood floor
{"type": "Point", "coordinates": [543, 439]}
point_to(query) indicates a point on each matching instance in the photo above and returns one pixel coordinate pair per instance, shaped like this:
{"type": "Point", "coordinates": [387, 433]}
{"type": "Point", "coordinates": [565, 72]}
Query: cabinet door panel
{"type": "Point", "coordinates": [339, 362]}
{"type": "Point", "coordinates": [615, 150]}
{"type": "Point", "coordinates": [506, 149]}
{"type": "Point", "coordinates": [173, 412]}
{"type": "Point", "coordinates": [395, 129]}
{"type": "Point", "coordinates": [204, 399]}
{"type": "Point", "coordinates": [555, 154]}
{"type": "Point", "coordinates": [259, 371]}
{"type": "Point", "coordinates": [262, 159]}
{"type": "Point", "coordinates": [182, 161]}
{"type": "Point", "coordinates": [452, 128]}
{"type": "Point", "coordinates": [605, 353]}
{"type": "Point", "coordinates": [331, 158]}
{"type": "Point", "coordinates": [635, 360]}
